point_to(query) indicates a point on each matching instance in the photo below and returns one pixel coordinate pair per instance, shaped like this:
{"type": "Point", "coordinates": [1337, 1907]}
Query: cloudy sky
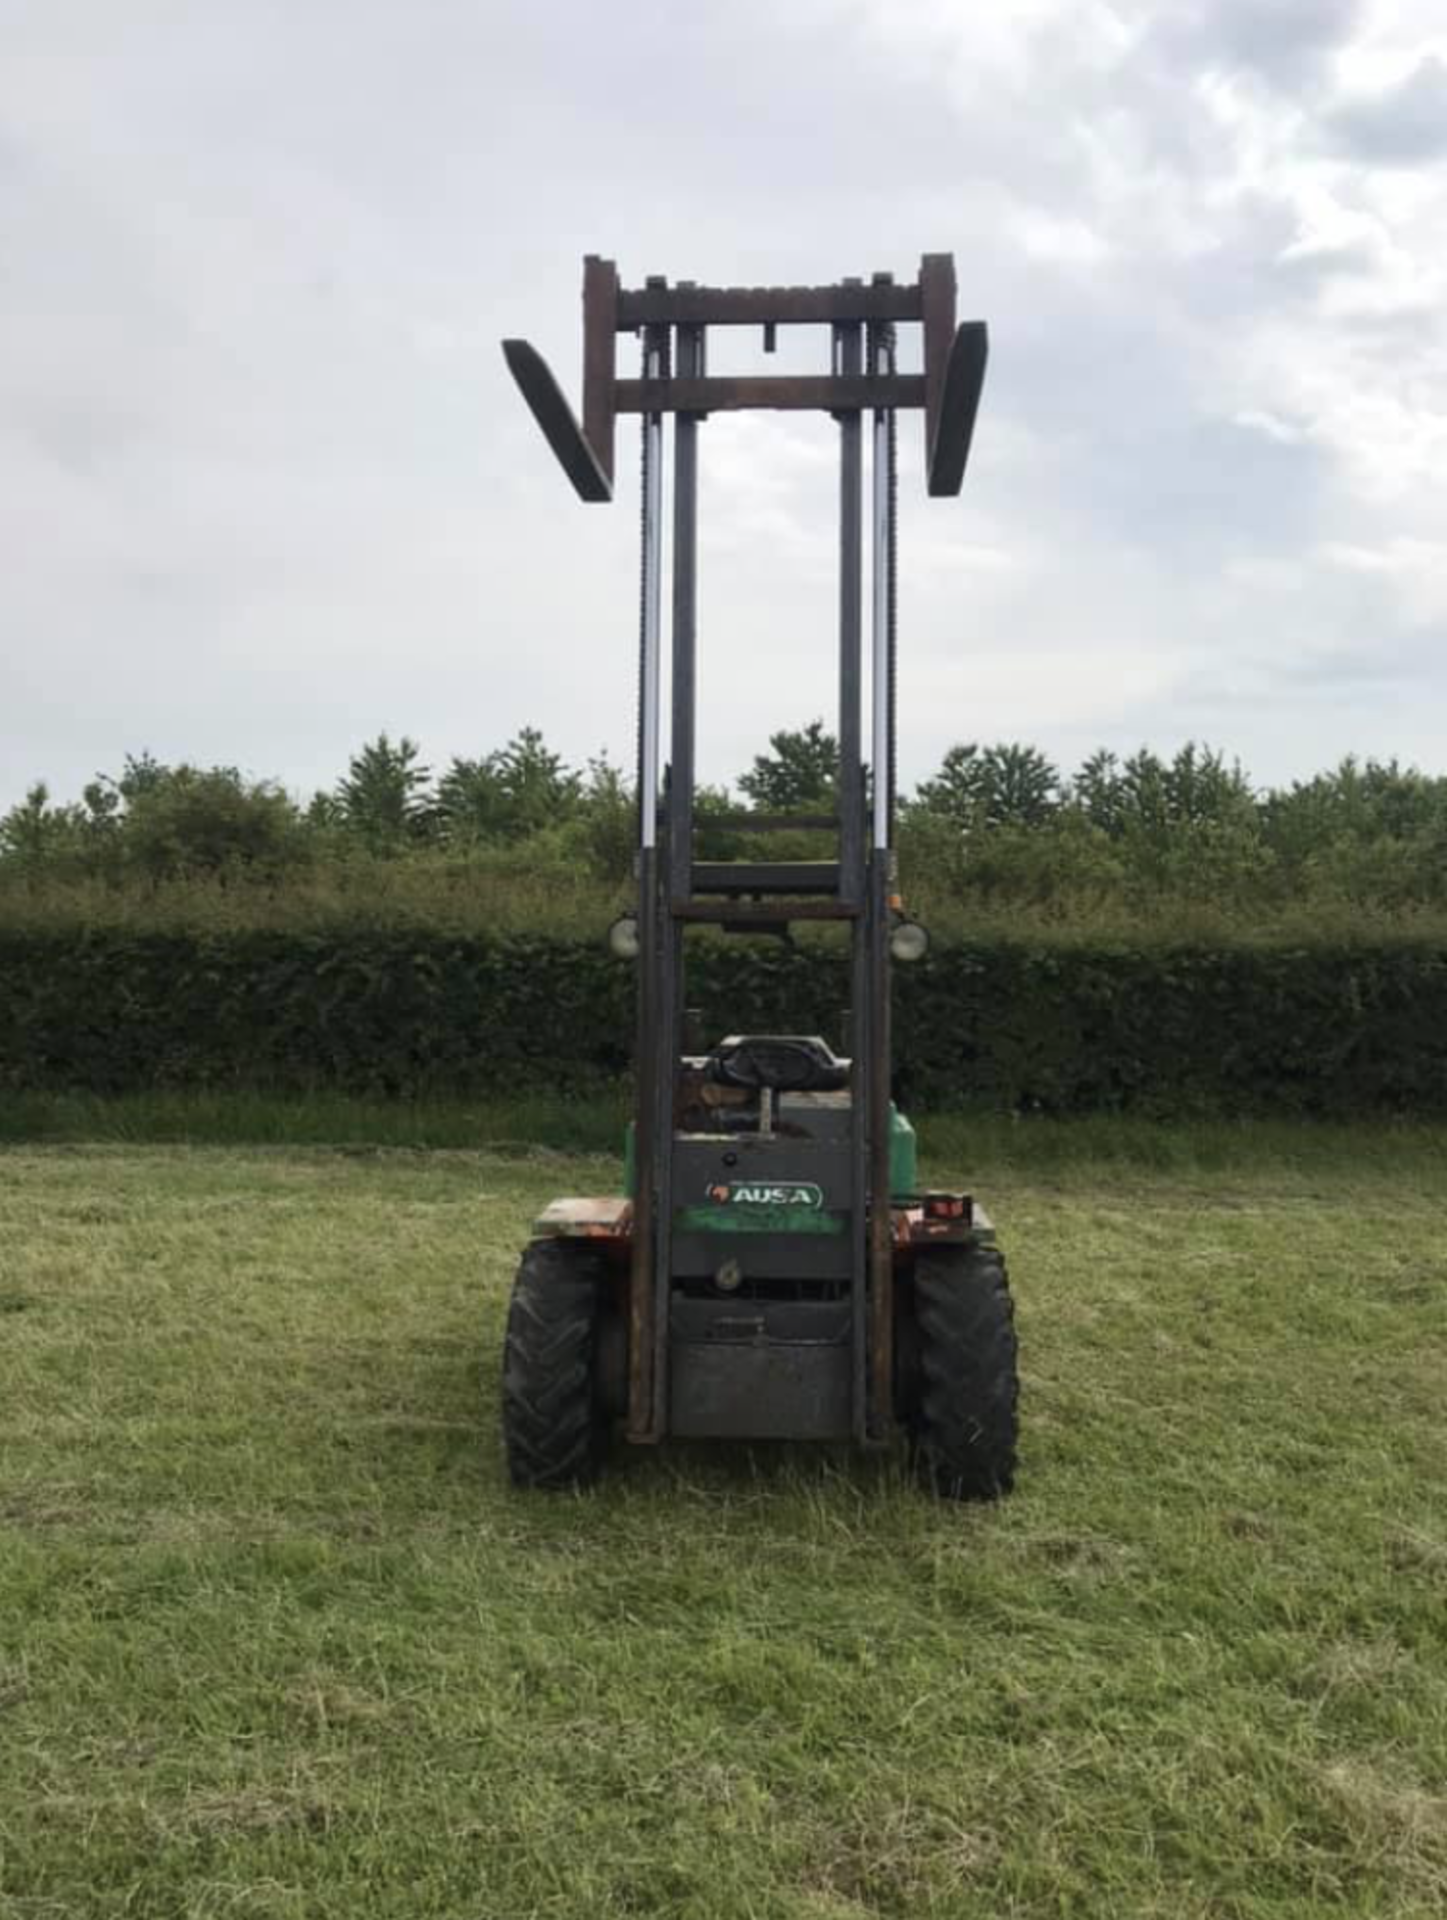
{"type": "Point", "coordinates": [265, 487]}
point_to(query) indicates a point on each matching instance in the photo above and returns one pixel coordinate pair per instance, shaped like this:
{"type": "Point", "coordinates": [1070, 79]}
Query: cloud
{"type": "Point", "coordinates": [1286, 42]}
{"type": "Point", "coordinates": [265, 488]}
{"type": "Point", "coordinates": [1402, 125]}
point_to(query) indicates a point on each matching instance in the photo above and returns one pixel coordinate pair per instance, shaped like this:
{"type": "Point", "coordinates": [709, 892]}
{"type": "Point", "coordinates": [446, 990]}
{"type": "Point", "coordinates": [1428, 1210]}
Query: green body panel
{"type": "Point", "coordinates": [903, 1156]}
{"type": "Point", "coordinates": [742, 1218]}
{"type": "Point", "coordinates": [903, 1181]}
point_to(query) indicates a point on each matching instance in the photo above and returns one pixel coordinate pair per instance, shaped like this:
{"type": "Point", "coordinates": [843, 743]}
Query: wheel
{"type": "Point", "coordinates": [553, 1423]}
{"type": "Point", "coordinates": [963, 1422]}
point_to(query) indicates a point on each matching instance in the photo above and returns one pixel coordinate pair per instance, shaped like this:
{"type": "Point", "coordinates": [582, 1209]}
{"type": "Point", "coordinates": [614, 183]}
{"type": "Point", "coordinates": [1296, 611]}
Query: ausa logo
{"type": "Point", "coordinates": [753, 1193]}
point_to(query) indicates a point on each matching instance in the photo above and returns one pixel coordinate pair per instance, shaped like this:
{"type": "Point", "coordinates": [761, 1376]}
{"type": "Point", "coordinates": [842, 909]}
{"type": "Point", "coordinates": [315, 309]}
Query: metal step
{"type": "Point", "coordinates": [762, 913]}
{"type": "Point", "coordinates": [766, 876]}
{"type": "Point", "coordinates": [745, 822]}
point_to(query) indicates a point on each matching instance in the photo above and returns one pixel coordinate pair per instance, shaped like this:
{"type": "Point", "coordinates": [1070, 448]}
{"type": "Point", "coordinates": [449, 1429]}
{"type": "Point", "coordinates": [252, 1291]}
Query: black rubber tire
{"type": "Point", "coordinates": [553, 1424]}
{"type": "Point", "coordinates": [964, 1425]}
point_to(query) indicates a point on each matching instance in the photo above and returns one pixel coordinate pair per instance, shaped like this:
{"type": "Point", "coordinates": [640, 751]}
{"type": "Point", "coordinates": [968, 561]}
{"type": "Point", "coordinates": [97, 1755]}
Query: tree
{"type": "Point", "coordinates": [324, 813]}
{"type": "Point", "coordinates": [383, 797]}
{"type": "Point", "coordinates": [1019, 786]}
{"type": "Point", "coordinates": [607, 820]}
{"type": "Point", "coordinates": [954, 794]}
{"type": "Point", "coordinates": [1201, 788]}
{"type": "Point", "coordinates": [101, 799]}
{"type": "Point", "coordinates": [209, 821]}
{"type": "Point", "coordinates": [1099, 791]}
{"type": "Point", "coordinates": [799, 774]}
{"type": "Point", "coordinates": [33, 833]}
{"type": "Point", "coordinates": [141, 773]}
{"type": "Point", "coordinates": [510, 794]}
{"type": "Point", "coordinates": [1007, 785]}
{"type": "Point", "coordinates": [1157, 798]}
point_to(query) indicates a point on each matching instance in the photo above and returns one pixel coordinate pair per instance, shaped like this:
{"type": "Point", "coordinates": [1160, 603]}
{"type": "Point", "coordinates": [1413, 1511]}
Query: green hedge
{"type": "Point", "coordinates": [1331, 1029]}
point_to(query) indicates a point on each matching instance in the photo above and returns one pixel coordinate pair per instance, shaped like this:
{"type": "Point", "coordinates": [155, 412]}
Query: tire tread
{"type": "Point", "coordinates": [552, 1424]}
{"type": "Point", "coordinates": [965, 1425]}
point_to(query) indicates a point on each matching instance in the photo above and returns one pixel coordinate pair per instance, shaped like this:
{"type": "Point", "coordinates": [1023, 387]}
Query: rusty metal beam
{"type": "Point", "coordinates": [600, 349]}
{"type": "Point", "coordinates": [937, 291]}
{"type": "Point", "coordinates": [765, 306]}
{"type": "Point", "coordinates": [827, 393]}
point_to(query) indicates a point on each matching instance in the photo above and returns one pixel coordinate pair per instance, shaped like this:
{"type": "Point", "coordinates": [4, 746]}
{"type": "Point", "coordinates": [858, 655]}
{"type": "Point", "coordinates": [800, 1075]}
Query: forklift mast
{"type": "Point", "coordinates": [677, 889]}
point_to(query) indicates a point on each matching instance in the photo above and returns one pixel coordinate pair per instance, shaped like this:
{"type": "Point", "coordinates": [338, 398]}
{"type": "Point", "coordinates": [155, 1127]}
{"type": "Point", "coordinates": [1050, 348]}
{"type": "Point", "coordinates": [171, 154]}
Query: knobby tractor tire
{"type": "Point", "coordinates": [965, 1422]}
{"type": "Point", "coordinates": [553, 1423]}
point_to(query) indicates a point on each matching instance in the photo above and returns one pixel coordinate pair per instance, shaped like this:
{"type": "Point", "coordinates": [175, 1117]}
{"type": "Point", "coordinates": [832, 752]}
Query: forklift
{"type": "Point", "coordinates": [773, 1270]}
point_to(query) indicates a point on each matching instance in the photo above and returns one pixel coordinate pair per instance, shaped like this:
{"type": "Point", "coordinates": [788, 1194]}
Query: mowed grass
{"type": "Point", "coordinates": [276, 1637]}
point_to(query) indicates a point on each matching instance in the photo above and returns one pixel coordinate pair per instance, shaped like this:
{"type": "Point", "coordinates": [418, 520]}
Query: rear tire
{"type": "Point", "coordinates": [964, 1423]}
{"type": "Point", "coordinates": [553, 1423]}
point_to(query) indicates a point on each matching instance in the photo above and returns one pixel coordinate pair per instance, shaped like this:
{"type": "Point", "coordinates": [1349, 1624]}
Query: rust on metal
{"type": "Point", "coordinates": [594, 1218]}
{"type": "Point", "coordinates": [779, 392]}
{"type": "Point", "coordinates": [600, 326]}
{"type": "Point", "coordinates": [937, 311]}
{"type": "Point", "coordinates": [913, 1227]}
{"type": "Point", "coordinates": [765, 306]}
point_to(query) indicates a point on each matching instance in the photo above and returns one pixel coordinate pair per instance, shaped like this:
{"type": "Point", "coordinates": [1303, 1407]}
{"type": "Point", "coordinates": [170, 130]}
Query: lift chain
{"type": "Point", "coordinates": [652, 338]}
{"type": "Point", "coordinates": [642, 591]}
{"type": "Point", "coordinates": [882, 340]}
{"type": "Point", "coordinates": [891, 549]}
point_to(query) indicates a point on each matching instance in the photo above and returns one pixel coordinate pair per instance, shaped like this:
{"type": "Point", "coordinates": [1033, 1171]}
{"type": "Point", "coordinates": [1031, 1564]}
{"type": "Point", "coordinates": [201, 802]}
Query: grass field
{"type": "Point", "coordinates": [277, 1639]}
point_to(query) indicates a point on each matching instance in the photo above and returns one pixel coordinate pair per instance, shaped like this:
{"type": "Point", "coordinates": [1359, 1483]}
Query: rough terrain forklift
{"type": "Point", "coordinates": [773, 1270]}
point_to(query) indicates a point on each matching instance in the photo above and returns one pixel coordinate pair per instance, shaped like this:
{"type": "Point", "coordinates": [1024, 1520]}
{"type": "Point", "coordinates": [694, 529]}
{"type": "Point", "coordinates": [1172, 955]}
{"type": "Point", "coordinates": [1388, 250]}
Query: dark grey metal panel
{"type": "Point", "coordinates": [823, 1116]}
{"type": "Point", "coordinates": [760, 1393]}
{"type": "Point", "coordinates": [701, 1161]}
{"type": "Point", "coordinates": [775, 1370]}
{"type": "Point", "coordinates": [808, 1322]}
{"type": "Point", "coordinates": [765, 1256]}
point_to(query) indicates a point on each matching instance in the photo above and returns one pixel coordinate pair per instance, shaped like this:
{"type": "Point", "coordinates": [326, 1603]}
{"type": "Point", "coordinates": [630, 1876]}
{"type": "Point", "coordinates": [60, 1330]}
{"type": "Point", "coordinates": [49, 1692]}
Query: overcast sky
{"type": "Point", "coordinates": [266, 489]}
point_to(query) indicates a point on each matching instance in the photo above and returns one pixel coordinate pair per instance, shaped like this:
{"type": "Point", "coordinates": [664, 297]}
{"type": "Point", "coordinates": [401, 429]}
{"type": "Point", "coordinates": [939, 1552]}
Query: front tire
{"type": "Point", "coordinates": [553, 1422]}
{"type": "Point", "coordinates": [964, 1423]}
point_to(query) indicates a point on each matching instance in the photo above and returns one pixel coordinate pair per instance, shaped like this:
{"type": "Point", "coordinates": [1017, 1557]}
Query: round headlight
{"type": "Point", "coordinates": [909, 941]}
{"type": "Point", "coordinates": [623, 938]}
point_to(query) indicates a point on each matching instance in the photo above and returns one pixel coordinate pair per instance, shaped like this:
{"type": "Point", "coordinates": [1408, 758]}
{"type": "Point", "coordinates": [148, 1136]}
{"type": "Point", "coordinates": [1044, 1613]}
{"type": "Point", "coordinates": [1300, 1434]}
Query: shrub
{"type": "Point", "coordinates": [1324, 1028]}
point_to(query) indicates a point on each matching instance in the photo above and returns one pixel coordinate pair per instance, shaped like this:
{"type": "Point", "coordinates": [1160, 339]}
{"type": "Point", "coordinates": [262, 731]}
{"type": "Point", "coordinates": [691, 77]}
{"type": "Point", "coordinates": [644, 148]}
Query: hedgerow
{"type": "Point", "coordinates": [1328, 1027]}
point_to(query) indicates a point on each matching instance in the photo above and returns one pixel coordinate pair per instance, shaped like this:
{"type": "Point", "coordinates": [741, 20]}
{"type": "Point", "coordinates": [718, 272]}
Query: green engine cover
{"type": "Point", "coordinates": [903, 1156]}
{"type": "Point", "coordinates": [903, 1180]}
